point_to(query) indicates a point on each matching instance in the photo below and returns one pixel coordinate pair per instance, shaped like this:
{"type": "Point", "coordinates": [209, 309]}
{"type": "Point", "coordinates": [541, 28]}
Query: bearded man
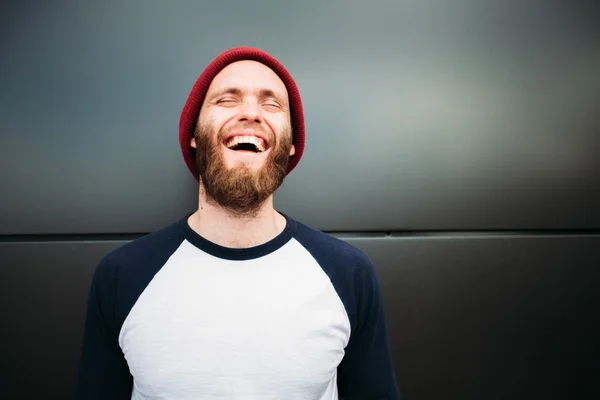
{"type": "Point", "coordinates": [237, 300]}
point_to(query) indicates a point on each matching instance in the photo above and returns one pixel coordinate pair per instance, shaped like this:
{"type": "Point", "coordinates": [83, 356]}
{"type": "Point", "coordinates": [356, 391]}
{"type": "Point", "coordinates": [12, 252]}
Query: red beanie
{"type": "Point", "coordinates": [191, 110]}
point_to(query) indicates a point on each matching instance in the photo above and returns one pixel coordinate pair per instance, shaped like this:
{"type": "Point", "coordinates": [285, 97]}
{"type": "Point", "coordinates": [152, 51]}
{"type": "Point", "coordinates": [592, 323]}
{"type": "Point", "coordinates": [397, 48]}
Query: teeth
{"type": "Point", "coordinates": [260, 145]}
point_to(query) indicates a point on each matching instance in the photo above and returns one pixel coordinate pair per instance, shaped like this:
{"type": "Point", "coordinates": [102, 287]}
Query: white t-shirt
{"type": "Point", "coordinates": [174, 316]}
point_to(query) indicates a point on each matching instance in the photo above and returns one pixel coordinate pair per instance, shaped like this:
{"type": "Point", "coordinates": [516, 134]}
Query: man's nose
{"type": "Point", "coordinates": [250, 112]}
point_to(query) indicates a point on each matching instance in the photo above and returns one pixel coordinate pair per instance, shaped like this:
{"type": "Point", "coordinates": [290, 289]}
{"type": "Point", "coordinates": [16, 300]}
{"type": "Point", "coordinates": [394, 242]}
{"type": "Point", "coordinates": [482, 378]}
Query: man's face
{"type": "Point", "coordinates": [243, 138]}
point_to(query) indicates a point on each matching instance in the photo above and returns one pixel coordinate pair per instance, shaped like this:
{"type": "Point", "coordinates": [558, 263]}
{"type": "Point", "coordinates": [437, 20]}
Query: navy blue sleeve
{"type": "Point", "coordinates": [103, 371]}
{"type": "Point", "coordinates": [119, 279]}
{"type": "Point", "coordinates": [366, 371]}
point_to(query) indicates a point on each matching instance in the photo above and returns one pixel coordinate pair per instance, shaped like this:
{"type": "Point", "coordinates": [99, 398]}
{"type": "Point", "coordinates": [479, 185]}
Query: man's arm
{"type": "Point", "coordinates": [103, 370]}
{"type": "Point", "coordinates": [367, 371]}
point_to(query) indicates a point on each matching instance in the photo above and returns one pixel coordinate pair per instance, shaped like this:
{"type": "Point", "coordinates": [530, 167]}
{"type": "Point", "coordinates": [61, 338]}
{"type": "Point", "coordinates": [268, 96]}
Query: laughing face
{"type": "Point", "coordinates": [243, 138]}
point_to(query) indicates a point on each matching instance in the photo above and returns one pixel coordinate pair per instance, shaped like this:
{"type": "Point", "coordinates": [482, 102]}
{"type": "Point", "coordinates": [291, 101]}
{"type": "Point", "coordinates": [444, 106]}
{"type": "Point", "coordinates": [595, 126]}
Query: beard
{"type": "Point", "coordinates": [241, 190]}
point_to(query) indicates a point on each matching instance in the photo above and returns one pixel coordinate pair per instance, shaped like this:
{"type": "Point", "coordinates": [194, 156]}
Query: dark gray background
{"type": "Point", "coordinates": [454, 141]}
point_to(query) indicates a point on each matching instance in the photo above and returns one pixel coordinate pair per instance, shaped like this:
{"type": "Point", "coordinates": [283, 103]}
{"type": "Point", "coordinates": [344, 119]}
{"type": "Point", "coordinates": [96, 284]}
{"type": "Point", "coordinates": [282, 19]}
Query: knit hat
{"type": "Point", "coordinates": [191, 109]}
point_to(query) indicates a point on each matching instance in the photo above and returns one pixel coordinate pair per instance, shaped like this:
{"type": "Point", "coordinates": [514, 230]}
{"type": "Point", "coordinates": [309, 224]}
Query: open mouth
{"type": "Point", "coordinates": [246, 144]}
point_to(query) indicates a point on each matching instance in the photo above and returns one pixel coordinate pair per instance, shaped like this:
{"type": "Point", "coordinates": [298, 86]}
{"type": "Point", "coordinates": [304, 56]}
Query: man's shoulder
{"type": "Point", "coordinates": [330, 250]}
{"type": "Point", "coordinates": [143, 252]}
{"type": "Point", "coordinates": [348, 267]}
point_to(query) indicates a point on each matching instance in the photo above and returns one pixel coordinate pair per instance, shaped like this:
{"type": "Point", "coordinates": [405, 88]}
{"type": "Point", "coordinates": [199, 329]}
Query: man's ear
{"type": "Point", "coordinates": [292, 150]}
{"type": "Point", "coordinates": [193, 142]}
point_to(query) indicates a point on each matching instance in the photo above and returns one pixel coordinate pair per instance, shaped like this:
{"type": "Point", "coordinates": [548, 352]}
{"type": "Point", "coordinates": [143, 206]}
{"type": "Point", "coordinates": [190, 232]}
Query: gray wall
{"type": "Point", "coordinates": [454, 141]}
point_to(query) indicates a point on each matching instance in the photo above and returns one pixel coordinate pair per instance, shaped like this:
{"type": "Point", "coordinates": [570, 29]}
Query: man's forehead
{"type": "Point", "coordinates": [248, 74]}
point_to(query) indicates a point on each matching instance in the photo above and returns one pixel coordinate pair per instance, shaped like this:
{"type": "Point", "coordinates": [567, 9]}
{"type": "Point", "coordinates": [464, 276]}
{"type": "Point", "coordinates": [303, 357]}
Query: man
{"type": "Point", "coordinates": [237, 300]}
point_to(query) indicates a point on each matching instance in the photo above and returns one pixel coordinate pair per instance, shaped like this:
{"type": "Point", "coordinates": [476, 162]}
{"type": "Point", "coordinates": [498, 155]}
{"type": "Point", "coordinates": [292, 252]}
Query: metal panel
{"type": "Point", "coordinates": [420, 115]}
{"type": "Point", "coordinates": [470, 317]}
{"type": "Point", "coordinates": [492, 317]}
{"type": "Point", "coordinates": [43, 293]}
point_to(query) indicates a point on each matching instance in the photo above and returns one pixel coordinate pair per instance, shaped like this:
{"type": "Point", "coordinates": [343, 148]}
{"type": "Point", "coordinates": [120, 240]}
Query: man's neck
{"type": "Point", "coordinates": [229, 230]}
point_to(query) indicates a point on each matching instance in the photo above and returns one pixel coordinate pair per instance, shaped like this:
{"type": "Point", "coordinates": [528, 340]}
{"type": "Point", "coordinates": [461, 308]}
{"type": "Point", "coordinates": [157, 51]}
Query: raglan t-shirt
{"type": "Point", "coordinates": [172, 315]}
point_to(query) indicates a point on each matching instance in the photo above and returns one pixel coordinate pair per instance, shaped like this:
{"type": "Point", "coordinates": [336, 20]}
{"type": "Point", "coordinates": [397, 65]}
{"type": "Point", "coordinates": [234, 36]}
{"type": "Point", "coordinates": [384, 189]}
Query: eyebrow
{"type": "Point", "coordinates": [262, 93]}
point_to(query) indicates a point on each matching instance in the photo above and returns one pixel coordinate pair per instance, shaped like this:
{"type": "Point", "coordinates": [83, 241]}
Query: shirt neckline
{"type": "Point", "coordinates": [230, 253]}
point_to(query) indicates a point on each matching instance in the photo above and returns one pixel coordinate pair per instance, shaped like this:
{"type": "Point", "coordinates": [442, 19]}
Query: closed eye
{"type": "Point", "coordinates": [272, 105]}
